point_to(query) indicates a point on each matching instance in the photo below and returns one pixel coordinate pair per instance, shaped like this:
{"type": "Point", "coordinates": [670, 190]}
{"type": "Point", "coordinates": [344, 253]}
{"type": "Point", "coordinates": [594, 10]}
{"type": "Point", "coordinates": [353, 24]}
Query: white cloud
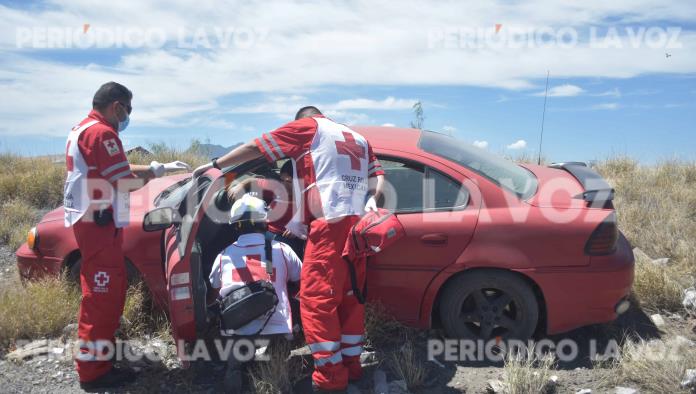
{"type": "Point", "coordinates": [480, 144]}
{"type": "Point", "coordinates": [389, 103]}
{"type": "Point", "coordinates": [348, 43]}
{"type": "Point", "coordinates": [607, 106]}
{"type": "Point", "coordinates": [519, 144]}
{"type": "Point", "coordinates": [449, 129]}
{"type": "Point", "coordinates": [566, 90]}
{"type": "Point", "coordinates": [609, 93]}
{"type": "Point", "coordinates": [388, 125]}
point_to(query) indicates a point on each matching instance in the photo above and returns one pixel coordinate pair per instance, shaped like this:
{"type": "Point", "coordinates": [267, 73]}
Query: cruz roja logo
{"type": "Point", "coordinates": [101, 279]}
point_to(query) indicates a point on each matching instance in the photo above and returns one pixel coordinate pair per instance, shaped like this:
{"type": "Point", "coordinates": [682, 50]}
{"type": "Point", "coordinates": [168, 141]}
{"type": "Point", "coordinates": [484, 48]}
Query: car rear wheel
{"type": "Point", "coordinates": [489, 304]}
{"type": "Point", "coordinates": [73, 272]}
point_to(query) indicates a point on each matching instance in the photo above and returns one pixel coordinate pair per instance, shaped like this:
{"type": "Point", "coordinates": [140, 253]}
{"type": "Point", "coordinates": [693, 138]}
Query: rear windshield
{"type": "Point", "coordinates": [502, 172]}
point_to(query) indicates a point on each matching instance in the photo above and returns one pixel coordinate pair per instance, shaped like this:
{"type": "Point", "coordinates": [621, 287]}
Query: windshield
{"type": "Point", "coordinates": [502, 172]}
{"type": "Point", "coordinates": [174, 194]}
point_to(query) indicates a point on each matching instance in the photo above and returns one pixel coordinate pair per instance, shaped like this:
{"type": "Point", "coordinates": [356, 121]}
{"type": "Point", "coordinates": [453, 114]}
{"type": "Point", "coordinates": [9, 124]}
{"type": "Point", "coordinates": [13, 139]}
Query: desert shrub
{"type": "Point", "coordinates": [163, 153]}
{"type": "Point", "coordinates": [278, 374]}
{"type": "Point", "coordinates": [407, 365]}
{"type": "Point", "coordinates": [656, 209]}
{"type": "Point", "coordinates": [656, 286]}
{"type": "Point", "coordinates": [38, 309]}
{"type": "Point", "coordinates": [36, 181]}
{"type": "Point", "coordinates": [381, 328]}
{"type": "Point", "coordinates": [16, 218]}
{"type": "Point", "coordinates": [527, 372]}
{"type": "Point", "coordinates": [141, 316]}
{"type": "Point", "coordinates": [656, 366]}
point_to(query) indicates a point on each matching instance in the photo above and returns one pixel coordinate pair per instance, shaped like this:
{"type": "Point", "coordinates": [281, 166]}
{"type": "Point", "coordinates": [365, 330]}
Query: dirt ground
{"type": "Point", "coordinates": [42, 375]}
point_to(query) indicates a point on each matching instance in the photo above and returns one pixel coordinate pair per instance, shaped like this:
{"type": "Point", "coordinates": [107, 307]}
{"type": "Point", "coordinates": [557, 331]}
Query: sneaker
{"type": "Point", "coordinates": [116, 377]}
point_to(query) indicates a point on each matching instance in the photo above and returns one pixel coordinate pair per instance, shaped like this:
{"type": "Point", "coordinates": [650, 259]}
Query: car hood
{"type": "Point", "coordinates": [557, 188]}
{"type": "Point", "coordinates": [141, 199]}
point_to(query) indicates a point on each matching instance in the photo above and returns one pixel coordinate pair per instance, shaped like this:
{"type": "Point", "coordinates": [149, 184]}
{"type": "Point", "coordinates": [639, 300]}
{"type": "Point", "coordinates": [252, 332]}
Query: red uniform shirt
{"type": "Point", "coordinates": [103, 151]}
{"type": "Point", "coordinates": [294, 140]}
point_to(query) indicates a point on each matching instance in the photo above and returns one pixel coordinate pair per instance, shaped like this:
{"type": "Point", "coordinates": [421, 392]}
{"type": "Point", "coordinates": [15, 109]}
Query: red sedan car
{"type": "Point", "coordinates": [492, 248]}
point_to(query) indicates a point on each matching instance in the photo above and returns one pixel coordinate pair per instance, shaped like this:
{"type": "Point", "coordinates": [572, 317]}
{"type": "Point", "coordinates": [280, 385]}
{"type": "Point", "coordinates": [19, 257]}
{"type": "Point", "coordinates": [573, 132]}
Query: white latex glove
{"type": "Point", "coordinates": [157, 168]}
{"type": "Point", "coordinates": [200, 170]}
{"type": "Point", "coordinates": [297, 229]}
{"type": "Point", "coordinates": [176, 166]}
{"type": "Point", "coordinates": [371, 204]}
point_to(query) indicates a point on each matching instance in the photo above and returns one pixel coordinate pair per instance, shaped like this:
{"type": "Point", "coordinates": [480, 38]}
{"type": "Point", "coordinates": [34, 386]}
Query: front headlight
{"type": "Point", "coordinates": [33, 238]}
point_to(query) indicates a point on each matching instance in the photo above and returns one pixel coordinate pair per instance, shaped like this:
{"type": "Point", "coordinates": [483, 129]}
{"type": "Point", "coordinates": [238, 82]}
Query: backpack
{"type": "Point", "coordinates": [373, 233]}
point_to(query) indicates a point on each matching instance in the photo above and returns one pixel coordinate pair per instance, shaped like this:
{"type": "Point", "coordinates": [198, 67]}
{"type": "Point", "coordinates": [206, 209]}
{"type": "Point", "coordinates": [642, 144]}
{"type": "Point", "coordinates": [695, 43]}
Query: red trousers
{"type": "Point", "coordinates": [103, 279]}
{"type": "Point", "coordinates": [332, 318]}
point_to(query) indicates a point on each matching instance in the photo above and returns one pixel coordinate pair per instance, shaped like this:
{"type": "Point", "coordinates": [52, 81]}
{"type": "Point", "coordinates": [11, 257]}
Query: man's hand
{"type": "Point", "coordinates": [371, 204]}
{"type": "Point", "coordinates": [200, 170]}
{"type": "Point", "coordinates": [158, 169]}
{"type": "Point", "coordinates": [177, 166]}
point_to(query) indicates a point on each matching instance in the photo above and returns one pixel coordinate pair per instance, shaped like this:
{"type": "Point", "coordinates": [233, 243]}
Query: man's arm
{"type": "Point", "coordinates": [238, 155]}
{"type": "Point", "coordinates": [142, 171]}
{"type": "Point", "coordinates": [289, 140]}
{"type": "Point", "coordinates": [376, 185]}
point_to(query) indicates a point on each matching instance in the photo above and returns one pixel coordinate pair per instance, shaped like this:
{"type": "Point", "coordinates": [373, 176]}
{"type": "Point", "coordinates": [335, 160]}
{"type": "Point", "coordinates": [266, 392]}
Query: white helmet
{"type": "Point", "coordinates": [248, 208]}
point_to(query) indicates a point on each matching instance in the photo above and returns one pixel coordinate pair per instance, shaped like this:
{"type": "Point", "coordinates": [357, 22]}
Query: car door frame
{"type": "Point", "coordinates": [475, 203]}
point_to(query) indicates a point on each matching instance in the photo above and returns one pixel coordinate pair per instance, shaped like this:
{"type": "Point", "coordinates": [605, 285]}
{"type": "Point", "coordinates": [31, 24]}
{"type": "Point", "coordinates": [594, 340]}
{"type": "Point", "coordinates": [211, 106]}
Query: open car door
{"type": "Point", "coordinates": [191, 247]}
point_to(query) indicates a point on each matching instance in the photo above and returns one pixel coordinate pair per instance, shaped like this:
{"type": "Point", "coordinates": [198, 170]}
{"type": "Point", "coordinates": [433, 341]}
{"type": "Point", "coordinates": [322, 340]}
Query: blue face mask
{"type": "Point", "coordinates": [122, 124]}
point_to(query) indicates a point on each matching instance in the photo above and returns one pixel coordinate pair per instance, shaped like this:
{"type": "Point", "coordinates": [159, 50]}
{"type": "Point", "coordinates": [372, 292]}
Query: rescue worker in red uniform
{"type": "Point", "coordinates": [97, 207]}
{"type": "Point", "coordinates": [337, 178]}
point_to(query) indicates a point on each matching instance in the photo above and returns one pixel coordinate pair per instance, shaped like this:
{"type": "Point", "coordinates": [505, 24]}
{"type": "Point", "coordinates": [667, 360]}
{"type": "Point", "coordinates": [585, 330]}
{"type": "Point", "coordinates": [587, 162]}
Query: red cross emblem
{"type": "Point", "coordinates": [101, 278]}
{"type": "Point", "coordinates": [252, 272]}
{"type": "Point", "coordinates": [351, 148]}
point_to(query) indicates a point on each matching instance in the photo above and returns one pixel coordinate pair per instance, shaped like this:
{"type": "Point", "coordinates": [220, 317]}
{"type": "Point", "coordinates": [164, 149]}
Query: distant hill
{"type": "Point", "coordinates": [214, 150]}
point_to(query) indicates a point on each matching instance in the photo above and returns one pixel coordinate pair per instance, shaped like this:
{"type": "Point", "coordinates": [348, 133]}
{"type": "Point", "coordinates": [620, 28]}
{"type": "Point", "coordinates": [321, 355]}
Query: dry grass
{"type": "Point", "coordinates": [527, 372]}
{"type": "Point", "coordinates": [16, 218]}
{"type": "Point", "coordinates": [656, 286]}
{"type": "Point", "coordinates": [35, 181]}
{"type": "Point", "coordinates": [278, 374]}
{"type": "Point", "coordinates": [164, 154]}
{"type": "Point", "coordinates": [408, 366]}
{"type": "Point", "coordinates": [656, 208]}
{"type": "Point", "coordinates": [381, 328]}
{"type": "Point", "coordinates": [141, 317]}
{"type": "Point", "coordinates": [37, 310]}
{"type": "Point", "coordinates": [656, 366]}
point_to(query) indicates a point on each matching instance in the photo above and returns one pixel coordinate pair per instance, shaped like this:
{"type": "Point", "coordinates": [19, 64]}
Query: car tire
{"type": "Point", "coordinates": [485, 304]}
{"type": "Point", "coordinates": [73, 272]}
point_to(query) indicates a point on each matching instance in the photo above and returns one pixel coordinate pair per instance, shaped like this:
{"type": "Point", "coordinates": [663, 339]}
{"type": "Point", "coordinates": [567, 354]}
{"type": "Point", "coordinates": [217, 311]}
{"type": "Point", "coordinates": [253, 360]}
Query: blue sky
{"type": "Point", "coordinates": [626, 85]}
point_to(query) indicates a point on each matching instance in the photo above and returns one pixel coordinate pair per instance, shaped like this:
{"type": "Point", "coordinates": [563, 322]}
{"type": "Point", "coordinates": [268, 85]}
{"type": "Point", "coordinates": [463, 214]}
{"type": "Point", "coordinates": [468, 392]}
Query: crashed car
{"type": "Point", "coordinates": [492, 249]}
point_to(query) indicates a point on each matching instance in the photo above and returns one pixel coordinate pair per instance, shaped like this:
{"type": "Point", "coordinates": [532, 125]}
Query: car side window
{"type": "Point", "coordinates": [414, 187]}
{"type": "Point", "coordinates": [443, 192]}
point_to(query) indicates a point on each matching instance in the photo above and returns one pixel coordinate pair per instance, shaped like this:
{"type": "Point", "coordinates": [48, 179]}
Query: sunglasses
{"type": "Point", "coordinates": [127, 107]}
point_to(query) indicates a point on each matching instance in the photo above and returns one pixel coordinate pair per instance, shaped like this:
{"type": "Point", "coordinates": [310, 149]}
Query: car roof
{"type": "Point", "coordinates": [381, 137]}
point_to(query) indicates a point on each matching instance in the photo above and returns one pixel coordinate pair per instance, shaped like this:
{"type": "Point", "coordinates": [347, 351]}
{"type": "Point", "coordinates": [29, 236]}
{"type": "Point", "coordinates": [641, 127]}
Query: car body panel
{"type": "Point", "coordinates": [541, 238]}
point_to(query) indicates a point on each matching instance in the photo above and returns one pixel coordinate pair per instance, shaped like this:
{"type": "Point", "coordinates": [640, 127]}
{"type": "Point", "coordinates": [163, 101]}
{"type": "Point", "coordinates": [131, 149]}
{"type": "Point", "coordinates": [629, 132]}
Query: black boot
{"type": "Point", "coordinates": [116, 377]}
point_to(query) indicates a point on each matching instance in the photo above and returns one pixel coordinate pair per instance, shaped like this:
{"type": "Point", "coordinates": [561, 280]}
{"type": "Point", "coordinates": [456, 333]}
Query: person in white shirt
{"type": "Point", "coordinates": [243, 262]}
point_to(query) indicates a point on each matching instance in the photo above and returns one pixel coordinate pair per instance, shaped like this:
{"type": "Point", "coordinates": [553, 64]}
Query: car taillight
{"type": "Point", "coordinates": [604, 237]}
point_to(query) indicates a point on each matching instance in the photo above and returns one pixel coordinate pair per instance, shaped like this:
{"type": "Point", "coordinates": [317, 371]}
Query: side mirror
{"type": "Point", "coordinates": [160, 219]}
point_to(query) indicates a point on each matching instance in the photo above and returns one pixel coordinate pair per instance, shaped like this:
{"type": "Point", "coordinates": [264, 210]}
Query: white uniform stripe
{"type": "Point", "coordinates": [279, 151]}
{"type": "Point", "coordinates": [120, 175]}
{"type": "Point", "coordinates": [267, 148]}
{"type": "Point", "coordinates": [324, 347]}
{"type": "Point", "coordinates": [351, 339]}
{"type": "Point", "coordinates": [333, 359]}
{"type": "Point", "coordinates": [114, 168]}
{"type": "Point", "coordinates": [352, 351]}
